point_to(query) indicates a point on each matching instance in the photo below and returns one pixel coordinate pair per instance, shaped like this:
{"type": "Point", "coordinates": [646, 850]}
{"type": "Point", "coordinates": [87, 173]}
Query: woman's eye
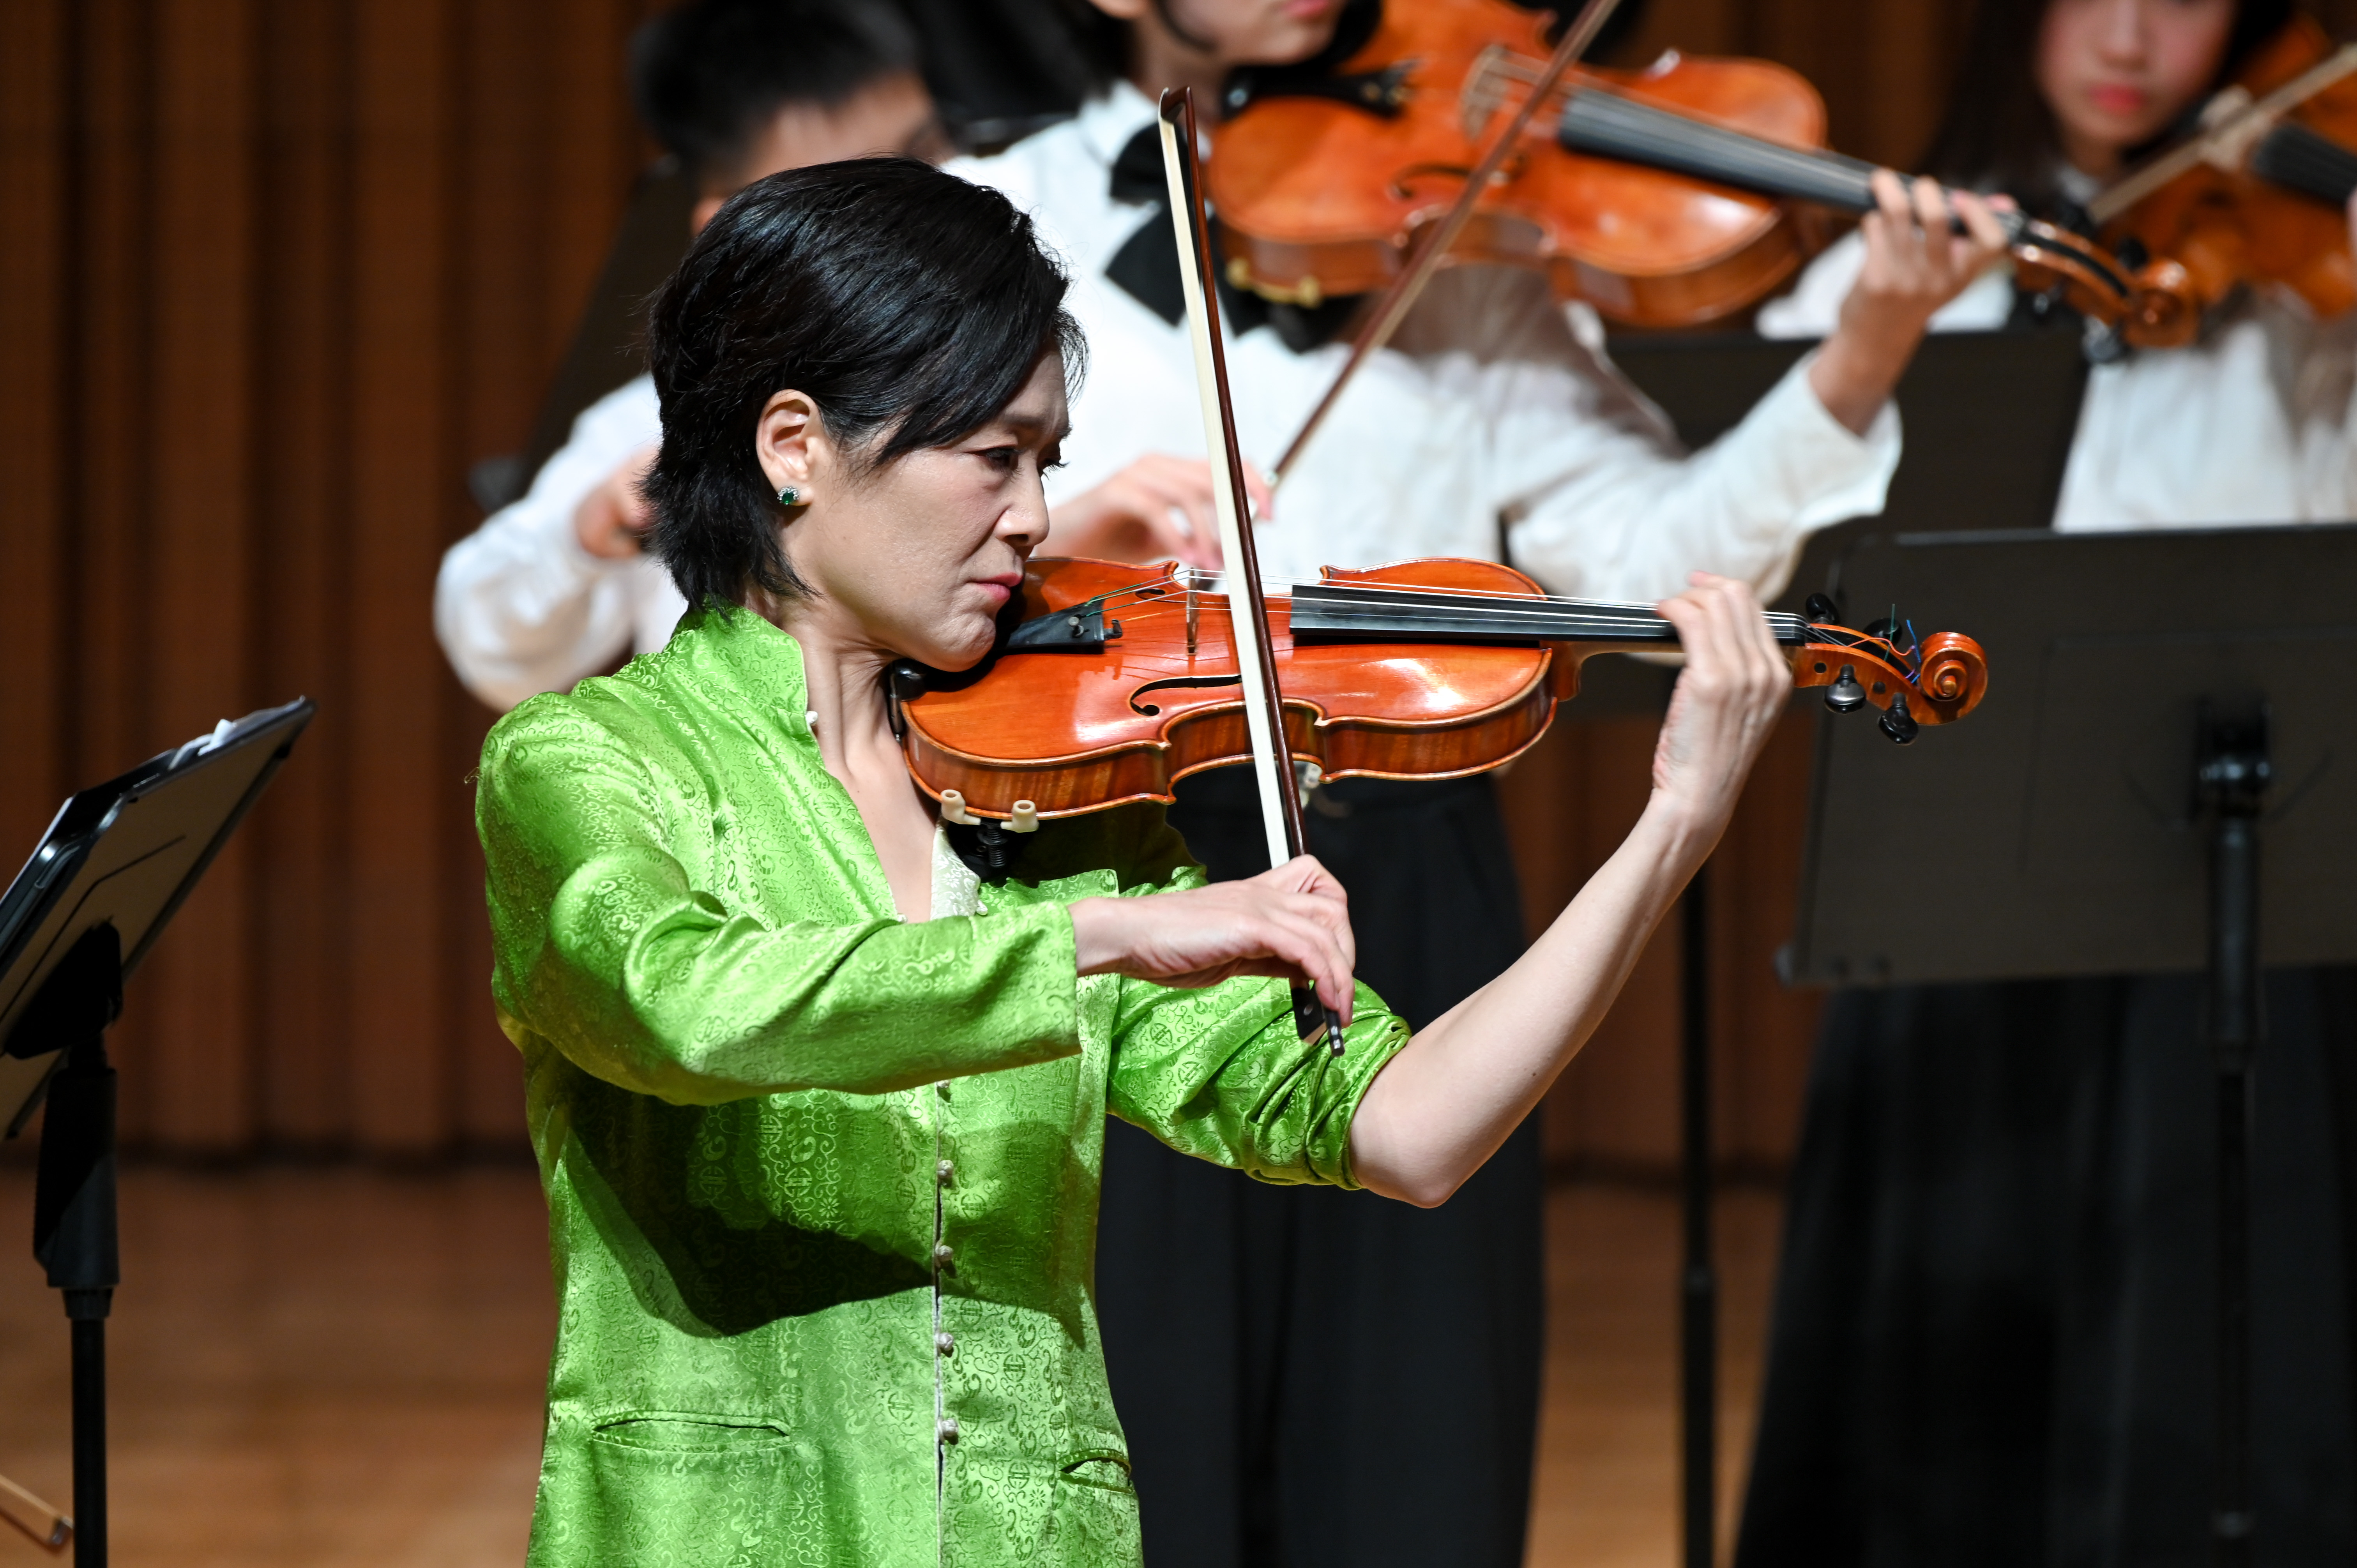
{"type": "Point", "coordinates": [1003, 456]}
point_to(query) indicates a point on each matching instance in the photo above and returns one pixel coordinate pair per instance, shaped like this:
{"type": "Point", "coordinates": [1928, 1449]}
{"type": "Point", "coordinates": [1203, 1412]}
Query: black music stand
{"type": "Point", "coordinates": [2157, 704]}
{"type": "Point", "coordinates": [1966, 396]}
{"type": "Point", "coordinates": [115, 865]}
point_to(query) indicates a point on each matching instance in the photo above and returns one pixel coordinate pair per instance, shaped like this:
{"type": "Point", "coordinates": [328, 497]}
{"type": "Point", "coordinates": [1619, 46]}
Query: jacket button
{"type": "Point", "coordinates": [942, 1088]}
{"type": "Point", "coordinates": [944, 1172]}
{"type": "Point", "coordinates": [944, 1343]}
{"type": "Point", "coordinates": [949, 1430]}
{"type": "Point", "coordinates": [942, 1256]}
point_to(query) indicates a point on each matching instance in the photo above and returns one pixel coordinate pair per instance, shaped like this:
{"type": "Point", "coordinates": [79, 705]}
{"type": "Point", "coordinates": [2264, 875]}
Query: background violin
{"type": "Point", "coordinates": [1116, 681]}
{"type": "Point", "coordinates": [1663, 197]}
{"type": "Point", "coordinates": [2259, 194]}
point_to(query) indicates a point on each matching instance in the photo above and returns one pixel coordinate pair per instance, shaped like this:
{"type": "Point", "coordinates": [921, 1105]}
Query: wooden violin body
{"type": "Point", "coordinates": [1668, 197]}
{"type": "Point", "coordinates": [1318, 199]}
{"type": "Point", "coordinates": [2265, 207]}
{"type": "Point", "coordinates": [1121, 680]}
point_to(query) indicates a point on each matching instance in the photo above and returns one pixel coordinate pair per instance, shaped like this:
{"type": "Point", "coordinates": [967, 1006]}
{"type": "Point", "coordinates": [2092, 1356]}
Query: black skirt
{"type": "Point", "coordinates": [1309, 1377]}
{"type": "Point", "coordinates": [1992, 1339]}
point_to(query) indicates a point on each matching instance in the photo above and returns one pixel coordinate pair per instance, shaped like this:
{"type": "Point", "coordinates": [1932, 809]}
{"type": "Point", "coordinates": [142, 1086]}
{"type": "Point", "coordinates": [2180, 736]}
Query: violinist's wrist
{"type": "Point", "coordinates": [1102, 933]}
{"type": "Point", "coordinates": [1858, 368]}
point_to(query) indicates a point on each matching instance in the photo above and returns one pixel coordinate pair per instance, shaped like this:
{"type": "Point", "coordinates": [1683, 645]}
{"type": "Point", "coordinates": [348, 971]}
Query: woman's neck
{"type": "Point", "coordinates": [1163, 59]}
{"type": "Point", "coordinates": [843, 677]}
{"type": "Point", "coordinates": [2096, 159]}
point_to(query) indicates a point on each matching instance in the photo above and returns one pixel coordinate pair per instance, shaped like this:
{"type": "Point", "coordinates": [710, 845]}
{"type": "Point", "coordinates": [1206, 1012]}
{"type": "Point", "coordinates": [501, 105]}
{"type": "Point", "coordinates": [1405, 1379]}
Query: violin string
{"type": "Point", "coordinates": [1408, 596]}
{"type": "Point", "coordinates": [1409, 610]}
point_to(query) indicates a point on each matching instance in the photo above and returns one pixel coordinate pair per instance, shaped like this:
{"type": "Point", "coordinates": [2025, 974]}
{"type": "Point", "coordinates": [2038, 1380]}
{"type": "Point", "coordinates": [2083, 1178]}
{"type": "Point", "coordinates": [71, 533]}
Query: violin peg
{"type": "Point", "coordinates": [1843, 696]}
{"type": "Point", "coordinates": [1025, 820]}
{"type": "Point", "coordinates": [1821, 611]}
{"type": "Point", "coordinates": [953, 809]}
{"type": "Point", "coordinates": [1898, 722]}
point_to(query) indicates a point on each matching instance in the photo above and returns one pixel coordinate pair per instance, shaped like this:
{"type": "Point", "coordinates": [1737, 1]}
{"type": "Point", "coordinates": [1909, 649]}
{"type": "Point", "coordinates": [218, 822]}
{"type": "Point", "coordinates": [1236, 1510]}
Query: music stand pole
{"type": "Point", "coordinates": [2232, 777]}
{"type": "Point", "coordinates": [1698, 1283]}
{"type": "Point", "coordinates": [73, 1199]}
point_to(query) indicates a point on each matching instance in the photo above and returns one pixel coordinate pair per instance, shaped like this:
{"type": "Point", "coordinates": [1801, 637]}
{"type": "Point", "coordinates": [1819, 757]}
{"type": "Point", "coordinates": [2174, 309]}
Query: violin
{"type": "Point", "coordinates": [2259, 194]}
{"type": "Point", "coordinates": [1663, 198]}
{"type": "Point", "coordinates": [1114, 681]}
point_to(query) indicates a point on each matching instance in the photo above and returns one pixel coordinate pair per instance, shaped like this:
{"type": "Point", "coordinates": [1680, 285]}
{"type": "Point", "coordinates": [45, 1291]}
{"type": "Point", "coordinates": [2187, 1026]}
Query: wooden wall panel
{"type": "Point", "coordinates": [36, 267]}
{"type": "Point", "coordinates": [302, 839]}
{"type": "Point", "coordinates": [199, 427]}
{"type": "Point", "coordinates": [401, 377]}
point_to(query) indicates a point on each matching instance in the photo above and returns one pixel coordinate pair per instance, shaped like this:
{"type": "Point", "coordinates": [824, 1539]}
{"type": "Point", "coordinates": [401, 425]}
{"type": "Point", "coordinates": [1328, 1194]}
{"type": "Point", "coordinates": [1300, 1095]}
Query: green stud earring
{"type": "Point", "coordinates": [788, 496]}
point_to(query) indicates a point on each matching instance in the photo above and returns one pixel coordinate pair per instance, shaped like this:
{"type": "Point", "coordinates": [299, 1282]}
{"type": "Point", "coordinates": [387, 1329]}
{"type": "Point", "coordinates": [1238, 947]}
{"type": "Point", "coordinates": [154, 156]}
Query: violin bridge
{"type": "Point", "coordinates": [1191, 622]}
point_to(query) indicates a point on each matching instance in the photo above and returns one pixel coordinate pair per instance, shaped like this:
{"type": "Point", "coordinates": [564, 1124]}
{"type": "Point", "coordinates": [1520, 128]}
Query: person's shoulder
{"type": "Point", "coordinates": [1029, 167]}
{"type": "Point", "coordinates": [625, 715]}
{"type": "Point", "coordinates": [631, 412]}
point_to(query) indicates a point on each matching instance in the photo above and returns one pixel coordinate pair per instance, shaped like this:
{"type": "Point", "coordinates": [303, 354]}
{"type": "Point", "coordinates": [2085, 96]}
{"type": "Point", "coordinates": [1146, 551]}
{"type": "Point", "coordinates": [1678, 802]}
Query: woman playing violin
{"type": "Point", "coordinates": [819, 1111]}
{"type": "Point", "coordinates": [1240, 1324]}
{"type": "Point", "coordinates": [1993, 1335]}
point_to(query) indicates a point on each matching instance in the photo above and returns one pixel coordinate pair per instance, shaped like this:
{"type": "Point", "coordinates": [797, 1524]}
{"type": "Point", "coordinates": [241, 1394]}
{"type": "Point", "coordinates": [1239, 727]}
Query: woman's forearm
{"type": "Point", "coordinates": [1451, 1097]}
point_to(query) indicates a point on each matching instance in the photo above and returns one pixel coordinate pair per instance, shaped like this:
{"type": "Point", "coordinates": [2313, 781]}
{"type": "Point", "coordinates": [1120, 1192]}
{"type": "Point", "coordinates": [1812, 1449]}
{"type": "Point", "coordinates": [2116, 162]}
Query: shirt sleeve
{"type": "Point", "coordinates": [1602, 503]}
{"type": "Point", "coordinates": [519, 606]}
{"type": "Point", "coordinates": [605, 947]}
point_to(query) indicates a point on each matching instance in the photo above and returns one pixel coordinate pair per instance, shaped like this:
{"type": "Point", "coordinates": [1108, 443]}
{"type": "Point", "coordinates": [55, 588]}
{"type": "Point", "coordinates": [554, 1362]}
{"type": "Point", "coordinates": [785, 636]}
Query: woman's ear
{"type": "Point", "coordinates": [790, 442]}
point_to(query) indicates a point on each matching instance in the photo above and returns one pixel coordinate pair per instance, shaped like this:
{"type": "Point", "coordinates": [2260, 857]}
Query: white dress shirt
{"type": "Point", "coordinates": [520, 607]}
{"type": "Point", "coordinates": [1494, 420]}
{"type": "Point", "coordinates": [2249, 424]}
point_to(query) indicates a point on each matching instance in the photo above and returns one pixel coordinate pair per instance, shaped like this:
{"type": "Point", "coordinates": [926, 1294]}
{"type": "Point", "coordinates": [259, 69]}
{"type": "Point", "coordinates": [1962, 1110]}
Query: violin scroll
{"type": "Point", "coordinates": [1936, 682]}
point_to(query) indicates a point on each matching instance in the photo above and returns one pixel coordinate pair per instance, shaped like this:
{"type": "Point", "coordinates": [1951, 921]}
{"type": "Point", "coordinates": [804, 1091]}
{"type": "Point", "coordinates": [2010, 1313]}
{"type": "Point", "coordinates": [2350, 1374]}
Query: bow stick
{"type": "Point", "coordinates": [1280, 801]}
{"type": "Point", "coordinates": [2234, 125]}
{"type": "Point", "coordinates": [1392, 308]}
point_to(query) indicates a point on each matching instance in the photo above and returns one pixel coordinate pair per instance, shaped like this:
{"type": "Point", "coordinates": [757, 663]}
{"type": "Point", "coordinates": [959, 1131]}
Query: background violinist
{"type": "Point", "coordinates": [1993, 1326]}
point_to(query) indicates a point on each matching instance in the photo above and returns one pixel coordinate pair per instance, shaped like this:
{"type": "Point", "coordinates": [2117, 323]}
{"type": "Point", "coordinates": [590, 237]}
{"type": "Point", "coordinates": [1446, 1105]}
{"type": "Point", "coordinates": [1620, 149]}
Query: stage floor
{"type": "Point", "coordinates": [334, 1368]}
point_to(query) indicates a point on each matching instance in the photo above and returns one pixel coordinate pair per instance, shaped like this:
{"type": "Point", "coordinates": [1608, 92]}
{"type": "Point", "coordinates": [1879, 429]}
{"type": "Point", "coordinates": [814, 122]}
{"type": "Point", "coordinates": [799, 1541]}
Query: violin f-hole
{"type": "Point", "coordinates": [1171, 683]}
{"type": "Point", "coordinates": [1506, 174]}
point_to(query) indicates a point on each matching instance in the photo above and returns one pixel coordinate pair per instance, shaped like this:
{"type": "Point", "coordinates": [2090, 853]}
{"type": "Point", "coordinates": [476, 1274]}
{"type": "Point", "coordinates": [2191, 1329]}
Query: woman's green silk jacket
{"type": "Point", "coordinates": [822, 1184]}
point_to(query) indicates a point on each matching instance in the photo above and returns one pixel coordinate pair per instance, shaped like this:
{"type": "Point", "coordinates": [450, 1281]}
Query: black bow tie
{"type": "Point", "coordinates": [1147, 265]}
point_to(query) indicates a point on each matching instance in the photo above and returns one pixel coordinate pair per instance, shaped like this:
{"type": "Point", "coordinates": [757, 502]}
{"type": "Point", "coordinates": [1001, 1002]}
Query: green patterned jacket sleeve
{"type": "Point", "coordinates": [1220, 1074]}
{"type": "Point", "coordinates": [606, 948]}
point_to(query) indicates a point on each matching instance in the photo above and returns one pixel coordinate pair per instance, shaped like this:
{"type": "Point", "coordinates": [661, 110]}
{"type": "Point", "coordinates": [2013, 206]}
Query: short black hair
{"type": "Point", "coordinates": [910, 305]}
{"type": "Point", "coordinates": [707, 76]}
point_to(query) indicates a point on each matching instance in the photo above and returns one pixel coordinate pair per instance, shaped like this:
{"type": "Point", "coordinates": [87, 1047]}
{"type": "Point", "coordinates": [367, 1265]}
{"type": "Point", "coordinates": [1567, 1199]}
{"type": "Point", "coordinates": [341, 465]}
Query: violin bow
{"type": "Point", "coordinates": [1280, 800]}
{"type": "Point", "coordinates": [1397, 300]}
{"type": "Point", "coordinates": [2239, 125]}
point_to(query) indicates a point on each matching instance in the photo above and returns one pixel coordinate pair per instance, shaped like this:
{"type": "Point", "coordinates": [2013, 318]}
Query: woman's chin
{"type": "Point", "coordinates": [955, 655]}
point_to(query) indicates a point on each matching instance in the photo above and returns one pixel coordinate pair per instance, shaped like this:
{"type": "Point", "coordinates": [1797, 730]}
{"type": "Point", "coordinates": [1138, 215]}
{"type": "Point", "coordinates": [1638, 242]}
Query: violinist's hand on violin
{"type": "Point", "coordinates": [1157, 507]}
{"type": "Point", "coordinates": [611, 522]}
{"type": "Point", "coordinates": [1734, 688]}
{"type": "Point", "coordinates": [1293, 923]}
{"type": "Point", "coordinates": [1444, 1105]}
{"type": "Point", "coordinates": [1915, 263]}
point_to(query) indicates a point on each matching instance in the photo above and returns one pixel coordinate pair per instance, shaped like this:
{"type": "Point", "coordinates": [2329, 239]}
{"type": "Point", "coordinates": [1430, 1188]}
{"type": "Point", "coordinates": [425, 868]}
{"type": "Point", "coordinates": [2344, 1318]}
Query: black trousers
{"type": "Point", "coordinates": [1310, 1378]}
{"type": "Point", "coordinates": [1992, 1328]}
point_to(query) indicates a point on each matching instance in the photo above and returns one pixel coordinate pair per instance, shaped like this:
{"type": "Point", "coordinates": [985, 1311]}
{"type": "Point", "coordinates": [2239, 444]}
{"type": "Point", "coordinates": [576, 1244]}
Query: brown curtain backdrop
{"type": "Point", "coordinates": [272, 272]}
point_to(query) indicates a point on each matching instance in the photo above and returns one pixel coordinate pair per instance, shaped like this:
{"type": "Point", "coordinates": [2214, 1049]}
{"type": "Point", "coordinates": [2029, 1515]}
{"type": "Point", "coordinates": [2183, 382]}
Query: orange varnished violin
{"type": "Point", "coordinates": [1115, 681]}
{"type": "Point", "coordinates": [2258, 194]}
{"type": "Point", "coordinates": [1663, 197]}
